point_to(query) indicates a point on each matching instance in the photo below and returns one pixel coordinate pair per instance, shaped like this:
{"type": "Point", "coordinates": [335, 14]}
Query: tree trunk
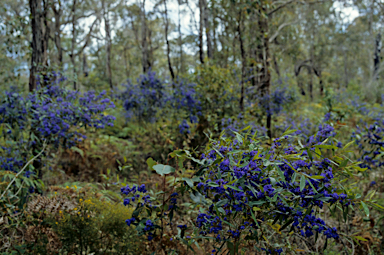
{"type": "Point", "coordinates": [73, 45]}
{"type": "Point", "coordinates": [108, 44]}
{"type": "Point", "coordinates": [126, 63]}
{"type": "Point", "coordinates": [310, 84]}
{"type": "Point", "coordinates": [265, 76]}
{"type": "Point", "coordinates": [85, 65]}
{"type": "Point", "coordinates": [243, 61]}
{"type": "Point", "coordinates": [201, 28]}
{"type": "Point", "coordinates": [207, 29]}
{"type": "Point", "coordinates": [180, 42]}
{"type": "Point", "coordinates": [37, 54]}
{"type": "Point", "coordinates": [277, 69]}
{"type": "Point", "coordinates": [58, 13]}
{"type": "Point", "coordinates": [144, 43]}
{"type": "Point", "coordinates": [376, 57]}
{"type": "Point", "coordinates": [167, 41]}
{"type": "Point", "coordinates": [346, 78]}
{"type": "Point", "coordinates": [46, 32]}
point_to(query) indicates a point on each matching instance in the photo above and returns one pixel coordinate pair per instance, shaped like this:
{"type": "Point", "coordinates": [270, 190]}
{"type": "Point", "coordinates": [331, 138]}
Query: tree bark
{"type": "Point", "coordinates": [73, 45]}
{"type": "Point", "coordinates": [85, 65]}
{"type": "Point", "coordinates": [37, 54]}
{"type": "Point", "coordinates": [265, 75]}
{"type": "Point", "coordinates": [167, 41]}
{"type": "Point", "coordinates": [207, 29]}
{"type": "Point", "coordinates": [144, 43]}
{"type": "Point", "coordinates": [180, 42]}
{"type": "Point", "coordinates": [58, 12]}
{"type": "Point", "coordinates": [201, 28]}
{"type": "Point", "coordinates": [277, 69]}
{"type": "Point", "coordinates": [243, 61]}
{"type": "Point", "coordinates": [376, 56]}
{"type": "Point", "coordinates": [108, 44]}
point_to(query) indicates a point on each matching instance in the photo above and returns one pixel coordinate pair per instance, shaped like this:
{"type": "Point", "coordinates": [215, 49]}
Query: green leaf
{"type": "Point", "coordinates": [316, 177]}
{"type": "Point", "coordinates": [213, 184]}
{"type": "Point", "coordinates": [377, 205]}
{"type": "Point", "coordinates": [222, 202]}
{"type": "Point", "coordinates": [151, 163]}
{"type": "Point", "coordinates": [288, 132]}
{"type": "Point", "coordinates": [81, 152]}
{"type": "Point", "coordinates": [231, 248]}
{"type": "Point", "coordinates": [326, 146]}
{"type": "Point", "coordinates": [280, 173]}
{"type": "Point", "coordinates": [234, 188]}
{"type": "Point", "coordinates": [188, 181]}
{"type": "Point", "coordinates": [302, 182]}
{"type": "Point", "coordinates": [343, 164]}
{"type": "Point", "coordinates": [365, 207]}
{"type": "Point", "coordinates": [348, 144]}
{"type": "Point", "coordinates": [361, 238]}
{"type": "Point", "coordinates": [163, 169]}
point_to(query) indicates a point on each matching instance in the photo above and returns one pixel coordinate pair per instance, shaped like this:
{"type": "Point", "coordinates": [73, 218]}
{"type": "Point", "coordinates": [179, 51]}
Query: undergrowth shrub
{"type": "Point", "coordinates": [251, 197]}
{"type": "Point", "coordinates": [76, 220]}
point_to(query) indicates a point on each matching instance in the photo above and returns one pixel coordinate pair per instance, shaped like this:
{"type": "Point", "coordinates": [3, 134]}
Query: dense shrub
{"type": "Point", "coordinates": [74, 221]}
{"type": "Point", "coordinates": [244, 190]}
{"type": "Point", "coordinates": [48, 118]}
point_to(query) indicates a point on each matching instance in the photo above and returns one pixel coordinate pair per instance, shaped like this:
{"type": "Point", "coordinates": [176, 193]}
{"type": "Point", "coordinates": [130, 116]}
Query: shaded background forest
{"type": "Point", "coordinates": [100, 44]}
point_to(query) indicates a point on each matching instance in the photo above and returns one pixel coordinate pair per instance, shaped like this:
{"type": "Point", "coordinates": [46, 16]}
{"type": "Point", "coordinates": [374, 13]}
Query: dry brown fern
{"type": "Point", "coordinates": [33, 234]}
{"type": "Point", "coordinates": [50, 205]}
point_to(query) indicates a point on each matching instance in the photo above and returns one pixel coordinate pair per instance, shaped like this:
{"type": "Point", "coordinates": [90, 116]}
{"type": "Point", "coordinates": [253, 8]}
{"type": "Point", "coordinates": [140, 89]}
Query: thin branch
{"type": "Point", "coordinates": [273, 37]}
{"type": "Point", "coordinates": [280, 6]}
{"type": "Point", "coordinates": [22, 170]}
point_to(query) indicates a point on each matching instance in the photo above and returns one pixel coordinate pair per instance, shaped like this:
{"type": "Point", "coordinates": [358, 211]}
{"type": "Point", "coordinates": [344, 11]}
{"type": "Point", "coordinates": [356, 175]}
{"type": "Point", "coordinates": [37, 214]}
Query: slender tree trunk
{"type": "Point", "coordinates": [243, 61]}
{"type": "Point", "coordinates": [144, 42]}
{"type": "Point", "coordinates": [376, 57]}
{"type": "Point", "coordinates": [126, 63]}
{"type": "Point", "coordinates": [252, 49]}
{"type": "Point", "coordinates": [180, 42]}
{"type": "Point", "coordinates": [167, 41]}
{"type": "Point", "coordinates": [265, 75]}
{"type": "Point", "coordinates": [207, 28]}
{"type": "Point", "coordinates": [85, 65]}
{"type": "Point", "coordinates": [37, 54]}
{"type": "Point", "coordinates": [321, 84]}
{"type": "Point", "coordinates": [277, 69]}
{"type": "Point", "coordinates": [151, 49]}
{"type": "Point", "coordinates": [108, 44]}
{"type": "Point", "coordinates": [201, 28]}
{"type": "Point", "coordinates": [310, 84]}
{"type": "Point", "coordinates": [213, 28]}
{"type": "Point", "coordinates": [346, 78]}
{"type": "Point", "coordinates": [46, 32]}
{"type": "Point", "coordinates": [73, 45]}
{"type": "Point", "coordinates": [58, 13]}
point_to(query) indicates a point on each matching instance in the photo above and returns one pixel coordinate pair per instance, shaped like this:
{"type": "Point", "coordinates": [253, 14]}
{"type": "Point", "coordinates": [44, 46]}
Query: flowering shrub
{"type": "Point", "coordinates": [245, 190]}
{"type": "Point", "coordinates": [369, 139]}
{"type": "Point", "coordinates": [49, 116]}
{"type": "Point", "coordinates": [144, 99]}
{"type": "Point", "coordinates": [273, 103]}
{"type": "Point", "coordinates": [50, 112]}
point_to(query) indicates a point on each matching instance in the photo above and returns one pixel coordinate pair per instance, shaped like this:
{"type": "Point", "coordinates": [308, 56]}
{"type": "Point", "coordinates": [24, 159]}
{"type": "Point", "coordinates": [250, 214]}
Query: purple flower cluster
{"type": "Point", "coordinates": [51, 112]}
{"type": "Point", "coordinates": [370, 141]}
{"type": "Point", "coordinates": [135, 189]}
{"type": "Point", "coordinates": [325, 131]}
{"type": "Point", "coordinates": [144, 99]}
{"type": "Point", "coordinates": [237, 181]}
{"type": "Point", "coordinates": [151, 95]}
{"type": "Point", "coordinates": [274, 102]}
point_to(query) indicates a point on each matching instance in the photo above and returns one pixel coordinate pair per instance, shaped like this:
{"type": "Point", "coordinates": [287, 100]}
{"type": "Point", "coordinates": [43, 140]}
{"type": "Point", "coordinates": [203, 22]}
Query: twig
{"type": "Point", "coordinates": [13, 180]}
